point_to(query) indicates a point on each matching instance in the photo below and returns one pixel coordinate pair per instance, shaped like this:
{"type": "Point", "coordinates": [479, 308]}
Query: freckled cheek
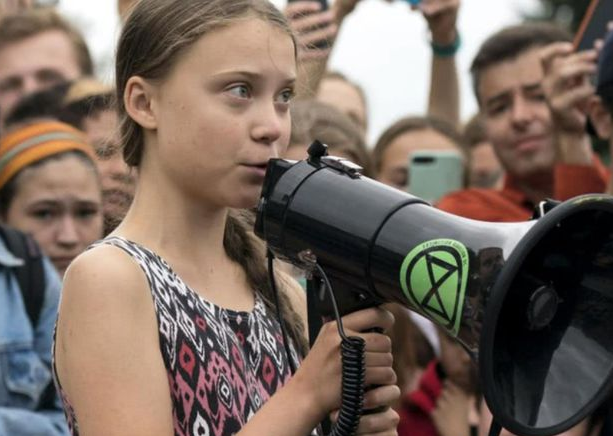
{"type": "Point", "coordinates": [283, 143]}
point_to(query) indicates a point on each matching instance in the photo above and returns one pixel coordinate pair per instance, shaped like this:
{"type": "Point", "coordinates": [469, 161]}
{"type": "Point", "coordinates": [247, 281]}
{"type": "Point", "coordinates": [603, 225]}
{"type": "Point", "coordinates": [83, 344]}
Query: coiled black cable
{"type": "Point", "coordinates": [352, 393]}
{"type": "Point", "coordinates": [352, 361]}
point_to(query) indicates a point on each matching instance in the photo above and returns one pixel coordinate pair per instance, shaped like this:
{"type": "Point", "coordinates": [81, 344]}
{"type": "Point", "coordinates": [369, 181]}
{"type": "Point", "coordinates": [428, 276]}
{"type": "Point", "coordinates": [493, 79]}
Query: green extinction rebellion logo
{"type": "Point", "coordinates": [433, 277]}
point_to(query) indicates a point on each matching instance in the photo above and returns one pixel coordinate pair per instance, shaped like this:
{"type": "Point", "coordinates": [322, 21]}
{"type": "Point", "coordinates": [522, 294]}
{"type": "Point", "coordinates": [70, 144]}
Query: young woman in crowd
{"type": "Point", "coordinates": [49, 187]}
{"type": "Point", "coordinates": [168, 326]}
{"type": "Point", "coordinates": [312, 119]}
{"type": "Point", "coordinates": [406, 136]}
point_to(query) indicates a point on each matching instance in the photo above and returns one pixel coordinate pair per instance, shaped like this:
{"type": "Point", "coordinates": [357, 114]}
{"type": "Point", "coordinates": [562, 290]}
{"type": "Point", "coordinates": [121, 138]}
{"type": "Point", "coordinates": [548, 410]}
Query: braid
{"type": "Point", "coordinates": [249, 253]}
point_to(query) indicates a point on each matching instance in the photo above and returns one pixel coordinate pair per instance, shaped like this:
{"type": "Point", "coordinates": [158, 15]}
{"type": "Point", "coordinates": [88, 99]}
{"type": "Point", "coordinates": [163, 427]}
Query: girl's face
{"type": "Point", "coordinates": [223, 112]}
{"type": "Point", "coordinates": [59, 204]}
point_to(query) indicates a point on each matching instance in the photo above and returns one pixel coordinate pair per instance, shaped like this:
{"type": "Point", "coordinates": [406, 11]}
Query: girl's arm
{"type": "Point", "coordinates": [107, 353]}
{"type": "Point", "coordinates": [110, 367]}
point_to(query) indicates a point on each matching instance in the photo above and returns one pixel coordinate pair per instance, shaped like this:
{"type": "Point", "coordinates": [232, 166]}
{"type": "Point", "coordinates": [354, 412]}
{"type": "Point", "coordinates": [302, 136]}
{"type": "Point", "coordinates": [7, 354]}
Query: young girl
{"type": "Point", "coordinates": [167, 327]}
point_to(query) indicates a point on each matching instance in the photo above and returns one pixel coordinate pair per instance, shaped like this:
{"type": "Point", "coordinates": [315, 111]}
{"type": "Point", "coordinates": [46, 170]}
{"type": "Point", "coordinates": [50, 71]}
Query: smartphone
{"type": "Point", "coordinates": [594, 24]}
{"type": "Point", "coordinates": [435, 173]}
{"type": "Point", "coordinates": [323, 44]}
{"type": "Point", "coordinates": [413, 2]}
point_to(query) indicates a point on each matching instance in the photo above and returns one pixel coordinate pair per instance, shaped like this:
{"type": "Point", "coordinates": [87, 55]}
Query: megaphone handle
{"type": "Point", "coordinates": [315, 321]}
{"type": "Point", "coordinates": [495, 428]}
{"type": "Point", "coordinates": [353, 356]}
{"type": "Point", "coordinates": [314, 315]}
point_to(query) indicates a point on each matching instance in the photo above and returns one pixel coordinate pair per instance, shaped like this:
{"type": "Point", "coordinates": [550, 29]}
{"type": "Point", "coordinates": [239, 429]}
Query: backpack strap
{"type": "Point", "coordinates": [30, 276]}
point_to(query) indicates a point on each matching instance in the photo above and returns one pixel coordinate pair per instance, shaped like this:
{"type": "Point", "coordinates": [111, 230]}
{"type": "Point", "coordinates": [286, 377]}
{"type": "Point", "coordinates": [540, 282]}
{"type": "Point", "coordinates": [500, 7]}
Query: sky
{"type": "Point", "coordinates": [382, 45]}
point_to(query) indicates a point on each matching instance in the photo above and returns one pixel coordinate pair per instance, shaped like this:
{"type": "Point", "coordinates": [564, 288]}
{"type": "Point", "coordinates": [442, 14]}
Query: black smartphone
{"type": "Point", "coordinates": [594, 24]}
{"type": "Point", "coordinates": [324, 43]}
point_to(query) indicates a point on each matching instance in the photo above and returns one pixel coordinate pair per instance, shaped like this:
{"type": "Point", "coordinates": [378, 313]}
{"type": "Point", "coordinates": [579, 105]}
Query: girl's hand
{"type": "Point", "coordinates": [319, 376]}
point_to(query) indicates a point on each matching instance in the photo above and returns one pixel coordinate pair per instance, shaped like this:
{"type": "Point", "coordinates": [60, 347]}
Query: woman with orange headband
{"type": "Point", "coordinates": [49, 187]}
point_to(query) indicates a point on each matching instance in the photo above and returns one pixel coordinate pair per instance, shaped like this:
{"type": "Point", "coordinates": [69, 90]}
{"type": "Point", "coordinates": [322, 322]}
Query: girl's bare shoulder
{"type": "Point", "coordinates": [104, 272]}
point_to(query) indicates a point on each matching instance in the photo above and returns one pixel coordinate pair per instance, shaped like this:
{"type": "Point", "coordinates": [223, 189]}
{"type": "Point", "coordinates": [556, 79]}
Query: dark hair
{"type": "Point", "coordinates": [51, 103]}
{"type": "Point", "coordinates": [41, 104]}
{"type": "Point", "coordinates": [15, 28]}
{"type": "Point", "coordinates": [312, 119]}
{"type": "Point", "coordinates": [9, 190]}
{"type": "Point", "coordinates": [510, 42]}
{"type": "Point", "coordinates": [410, 124]}
{"type": "Point", "coordinates": [76, 112]}
{"type": "Point", "coordinates": [177, 25]}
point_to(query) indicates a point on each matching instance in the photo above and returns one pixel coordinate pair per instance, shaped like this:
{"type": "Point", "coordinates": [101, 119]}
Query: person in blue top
{"type": "Point", "coordinates": [29, 404]}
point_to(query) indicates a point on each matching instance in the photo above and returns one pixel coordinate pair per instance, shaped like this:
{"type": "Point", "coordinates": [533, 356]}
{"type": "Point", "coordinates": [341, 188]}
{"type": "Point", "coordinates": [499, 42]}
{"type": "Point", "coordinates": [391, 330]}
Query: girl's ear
{"type": "Point", "coordinates": [600, 117]}
{"type": "Point", "coordinates": [138, 98]}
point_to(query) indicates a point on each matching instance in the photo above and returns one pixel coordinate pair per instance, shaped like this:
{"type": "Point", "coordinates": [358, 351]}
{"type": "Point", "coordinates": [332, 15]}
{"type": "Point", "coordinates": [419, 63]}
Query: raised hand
{"type": "Point", "coordinates": [342, 8]}
{"type": "Point", "coordinates": [441, 16]}
{"type": "Point", "coordinates": [311, 26]}
{"type": "Point", "coordinates": [568, 91]}
{"type": "Point", "coordinates": [567, 85]}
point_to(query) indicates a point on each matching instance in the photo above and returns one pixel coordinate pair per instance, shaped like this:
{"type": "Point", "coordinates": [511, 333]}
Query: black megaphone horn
{"type": "Point", "coordinates": [532, 302]}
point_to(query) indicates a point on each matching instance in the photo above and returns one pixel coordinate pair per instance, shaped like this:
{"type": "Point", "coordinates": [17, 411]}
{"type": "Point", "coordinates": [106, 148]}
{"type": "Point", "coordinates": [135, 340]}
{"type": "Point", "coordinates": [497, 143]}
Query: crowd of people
{"type": "Point", "coordinates": [134, 295]}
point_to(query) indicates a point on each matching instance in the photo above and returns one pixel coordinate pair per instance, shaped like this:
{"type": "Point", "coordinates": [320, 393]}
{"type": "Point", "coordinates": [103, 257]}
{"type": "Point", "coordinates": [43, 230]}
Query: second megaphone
{"type": "Point", "coordinates": [532, 302]}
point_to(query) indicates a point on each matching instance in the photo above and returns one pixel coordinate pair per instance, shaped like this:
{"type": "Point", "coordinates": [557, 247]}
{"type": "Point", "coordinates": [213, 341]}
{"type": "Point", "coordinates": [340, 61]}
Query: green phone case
{"type": "Point", "coordinates": [435, 173]}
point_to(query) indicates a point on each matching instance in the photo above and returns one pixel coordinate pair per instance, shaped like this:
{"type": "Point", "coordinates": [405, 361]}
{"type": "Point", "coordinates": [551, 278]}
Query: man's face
{"type": "Point", "coordinates": [516, 115]}
{"type": "Point", "coordinates": [33, 64]}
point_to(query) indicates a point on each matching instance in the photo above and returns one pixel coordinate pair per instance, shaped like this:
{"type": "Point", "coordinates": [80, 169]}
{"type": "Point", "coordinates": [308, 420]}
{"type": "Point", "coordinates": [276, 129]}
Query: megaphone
{"type": "Point", "coordinates": [532, 302]}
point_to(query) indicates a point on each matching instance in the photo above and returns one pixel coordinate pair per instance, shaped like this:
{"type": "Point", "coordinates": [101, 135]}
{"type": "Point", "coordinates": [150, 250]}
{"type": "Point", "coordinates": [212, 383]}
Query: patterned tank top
{"type": "Point", "coordinates": [222, 365]}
